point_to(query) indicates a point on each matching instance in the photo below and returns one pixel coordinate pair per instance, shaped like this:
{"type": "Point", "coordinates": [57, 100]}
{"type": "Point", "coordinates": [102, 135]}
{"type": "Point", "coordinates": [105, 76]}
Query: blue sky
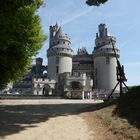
{"type": "Point", "coordinates": [81, 22]}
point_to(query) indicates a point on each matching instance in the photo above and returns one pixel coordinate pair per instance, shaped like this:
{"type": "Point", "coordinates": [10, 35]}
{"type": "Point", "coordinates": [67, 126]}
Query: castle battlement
{"type": "Point", "coordinates": [62, 51]}
{"type": "Point", "coordinates": [43, 80]}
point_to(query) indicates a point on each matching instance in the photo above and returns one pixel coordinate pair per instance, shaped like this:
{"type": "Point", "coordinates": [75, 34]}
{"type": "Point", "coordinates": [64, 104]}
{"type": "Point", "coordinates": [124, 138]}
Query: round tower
{"type": "Point", "coordinates": [59, 54]}
{"type": "Point", "coordinates": [104, 60]}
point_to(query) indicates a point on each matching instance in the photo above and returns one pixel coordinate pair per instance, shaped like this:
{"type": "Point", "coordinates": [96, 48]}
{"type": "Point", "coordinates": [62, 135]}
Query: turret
{"type": "Point", "coordinates": [102, 31]}
{"type": "Point", "coordinates": [53, 30]}
{"type": "Point", "coordinates": [103, 37]}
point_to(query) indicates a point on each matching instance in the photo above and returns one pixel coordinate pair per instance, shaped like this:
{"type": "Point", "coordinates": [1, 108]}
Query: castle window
{"type": "Point", "coordinates": [57, 69]}
{"type": "Point", "coordinates": [57, 60]}
{"type": "Point", "coordinates": [107, 60]}
{"type": "Point", "coordinates": [96, 82]}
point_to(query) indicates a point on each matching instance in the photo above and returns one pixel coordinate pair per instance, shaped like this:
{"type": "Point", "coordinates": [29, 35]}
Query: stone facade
{"type": "Point", "coordinates": [82, 62]}
{"type": "Point", "coordinates": [43, 86]}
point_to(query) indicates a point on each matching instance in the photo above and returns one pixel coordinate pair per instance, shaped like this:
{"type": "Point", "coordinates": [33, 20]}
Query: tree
{"type": "Point", "coordinates": [95, 2]}
{"type": "Point", "coordinates": [20, 37]}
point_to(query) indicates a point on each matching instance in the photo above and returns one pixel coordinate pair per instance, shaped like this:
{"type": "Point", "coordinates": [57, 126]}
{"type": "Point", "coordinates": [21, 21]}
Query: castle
{"type": "Point", "coordinates": [72, 75]}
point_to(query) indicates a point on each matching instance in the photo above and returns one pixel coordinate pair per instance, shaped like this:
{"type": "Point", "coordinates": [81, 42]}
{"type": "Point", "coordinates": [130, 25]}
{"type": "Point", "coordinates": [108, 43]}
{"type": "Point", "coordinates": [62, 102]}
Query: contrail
{"type": "Point", "coordinates": [76, 16]}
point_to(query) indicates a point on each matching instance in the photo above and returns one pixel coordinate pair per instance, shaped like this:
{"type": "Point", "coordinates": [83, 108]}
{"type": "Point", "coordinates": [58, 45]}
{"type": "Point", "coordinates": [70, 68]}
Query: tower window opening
{"type": "Point", "coordinates": [107, 60]}
{"type": "Point", "coordinates": [95, 78]}
{"type": "Point", "coordinates": [57, 69]}
{"type": "Point", "coordinates": [64, 42]}
{"type": "Point", "coordinates": [57, 60]}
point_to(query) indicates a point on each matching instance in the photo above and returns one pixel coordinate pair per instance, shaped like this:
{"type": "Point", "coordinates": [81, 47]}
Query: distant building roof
{"type": "Point", "coordinates": [82, 51]}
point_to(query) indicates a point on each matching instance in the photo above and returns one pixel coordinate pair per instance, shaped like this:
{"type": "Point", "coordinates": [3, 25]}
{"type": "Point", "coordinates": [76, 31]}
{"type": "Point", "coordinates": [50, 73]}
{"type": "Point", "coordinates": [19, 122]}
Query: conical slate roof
{"type": "Point", "coordinates": [60, 33]}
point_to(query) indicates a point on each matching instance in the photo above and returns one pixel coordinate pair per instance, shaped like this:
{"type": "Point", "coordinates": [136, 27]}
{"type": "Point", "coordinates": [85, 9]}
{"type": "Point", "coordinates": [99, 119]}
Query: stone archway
{"type": "Point", "coordinates": [76, 89]}
{"type": "Point", "coordinates": [76, 85]}
{"type": "Point", "coordinates": [46, 90]}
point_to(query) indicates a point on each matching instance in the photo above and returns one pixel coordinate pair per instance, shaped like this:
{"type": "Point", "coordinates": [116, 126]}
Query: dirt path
{"type": "Point", "coordinates": [59, 128]}
{"type": "Point", "coordinates": [48, 120]}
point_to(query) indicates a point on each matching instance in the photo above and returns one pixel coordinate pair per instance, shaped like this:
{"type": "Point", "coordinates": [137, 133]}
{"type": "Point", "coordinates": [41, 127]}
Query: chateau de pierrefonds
{"type": "Point", "coordinates": [72, 75]}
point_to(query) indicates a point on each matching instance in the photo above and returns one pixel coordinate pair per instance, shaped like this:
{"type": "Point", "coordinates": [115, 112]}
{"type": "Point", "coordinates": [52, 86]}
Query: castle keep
{"type": "Point", "coordinates": [72, 75]}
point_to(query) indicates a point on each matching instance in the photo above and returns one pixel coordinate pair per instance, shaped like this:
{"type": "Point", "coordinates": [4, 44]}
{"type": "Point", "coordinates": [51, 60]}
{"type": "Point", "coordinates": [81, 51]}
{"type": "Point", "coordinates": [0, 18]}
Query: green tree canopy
{"type": "Point", "coordinates": [20, 37]}
{"type": "Point", "coordinates": [95, 2]}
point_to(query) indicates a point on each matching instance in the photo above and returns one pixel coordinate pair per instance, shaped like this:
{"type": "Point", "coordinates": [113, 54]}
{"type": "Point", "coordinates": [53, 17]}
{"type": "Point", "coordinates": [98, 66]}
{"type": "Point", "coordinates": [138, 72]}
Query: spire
{"type": "Point", "coordinates": [82, 51]}
{"type": "Point", "coordinates": [56, 25]}
{"type": "Point", "coordinates": [60, 33]}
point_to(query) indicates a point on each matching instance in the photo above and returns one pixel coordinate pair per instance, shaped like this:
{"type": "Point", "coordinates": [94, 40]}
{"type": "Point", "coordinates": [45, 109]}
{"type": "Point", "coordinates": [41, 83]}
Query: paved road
{"type": "Point", "coordinates": [44, 120]}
